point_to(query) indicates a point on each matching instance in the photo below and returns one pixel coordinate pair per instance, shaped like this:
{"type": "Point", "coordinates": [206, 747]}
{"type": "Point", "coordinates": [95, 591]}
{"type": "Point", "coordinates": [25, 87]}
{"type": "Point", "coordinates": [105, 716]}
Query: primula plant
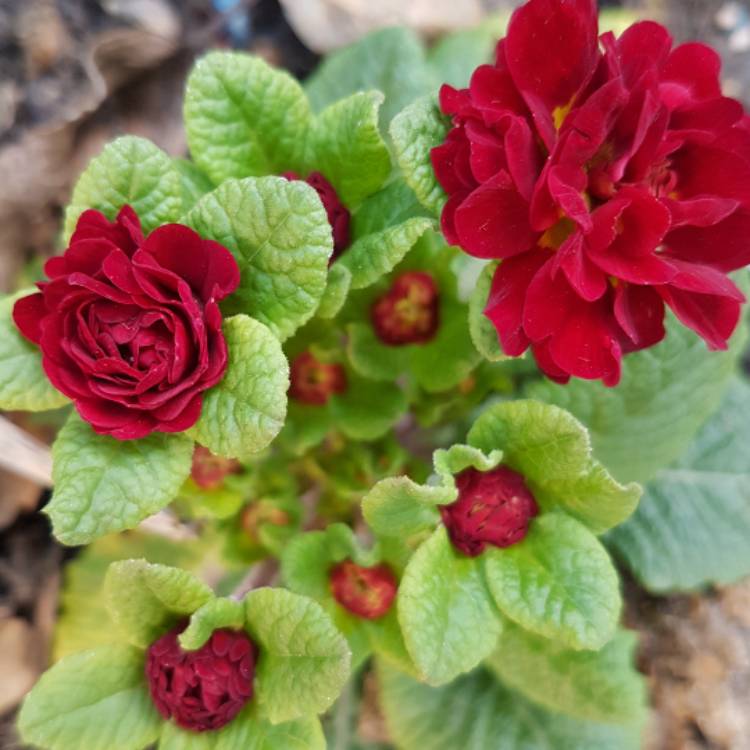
{"type": "Point", "coordinates": [304, 348]}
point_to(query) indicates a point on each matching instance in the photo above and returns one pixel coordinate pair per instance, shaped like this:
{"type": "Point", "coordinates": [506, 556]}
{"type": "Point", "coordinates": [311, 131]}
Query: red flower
{"type": "Point", "coordinates": [208, 470]}
{"type": "Point", "coordinates": [408, 313]}
{"type": "Point", "coordinates": [314, 382]}
{"type": "Point", "coordinates": [203, 689]}
{"type": "Point", "coordinates": [130, 328]}
{"type": "Point", "coordinates": [493, 507]}
{"type": "Point", "coordinates": [365, 592]}
{"type": "Point", "coordinates": [610, 176]}
{"type": "Point", "coordinates": [338, 213]}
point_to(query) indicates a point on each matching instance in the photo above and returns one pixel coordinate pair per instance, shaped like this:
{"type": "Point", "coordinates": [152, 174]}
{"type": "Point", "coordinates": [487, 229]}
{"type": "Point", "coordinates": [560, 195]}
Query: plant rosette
{"type": "Point", "coordinates": [507, 530]}
{"type": "Point", "coordinates": [327, 394]}
{"type": "Point", "coordinates": [356, 586]}
{"type": "Point", "coordinates": [193, 671]}
{"type": "Point", "coordinates": [412, 322]}
{"type": "Point", "coordinates": [245, 118]}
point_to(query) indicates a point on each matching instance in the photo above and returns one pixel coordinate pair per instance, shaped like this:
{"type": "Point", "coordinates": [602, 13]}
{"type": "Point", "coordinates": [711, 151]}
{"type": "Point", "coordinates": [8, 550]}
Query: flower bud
{"type": "Point", "coordinates": [314, 382]}
{"type": "Point", "coordinates": [209, 470]}
{"type": "Point", "coordinates": [365, 592]}
{"type": "Point", "coordinates": [493, 507]}
{"type": "Point", "coordinates": [203, 689]}
{"type": "Point", "coordinates": [408, 313]}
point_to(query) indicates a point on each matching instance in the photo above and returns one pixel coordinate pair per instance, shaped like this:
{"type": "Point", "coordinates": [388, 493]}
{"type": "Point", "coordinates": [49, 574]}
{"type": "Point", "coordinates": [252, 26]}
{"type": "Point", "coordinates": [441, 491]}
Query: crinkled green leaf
{"type": "Point", "coordinates": [304, 660]}
{"type": "Point", "coordinates": [96, 700]}
{"type": "Point", "coordinates": [370, 357]}
{"type": "Point", "coordinates": [447, 616]}
{"type": "Point", "coordinates": [693, 524]}
{"type": "Point", "coordinates": [129, 171]}
{"type": "Point", "coordinates": [195, 184]}
{"type": "Point", "coordinates": [104, 485]}
{"type": "Point", "coordinates": [483, 333]}
{"type": "Point", "coordinates": [346, 146]}
{"type": "Point", "coordinates": [666, 393]}
{"type": "Point", "coordinates": [476, 712]}
{"type": "Point", "coordinates": [279, 234]}
{"type": "Point", "coordinates": [397, 506]}
{"type": "Point", "coordinates": [244, 118]}
{"type": "Point", "coordinates": [337, 289]}
{"type": "Point", "coordinates": [417, 129]}
{"type": "Point", "coordinates": [459, 457]}
{"type": "Point", "coordinates": [390, 60]}
{"type": "Point", "coordinates": [23, 383]}
{"type": "Point", "coordinates": [558, 582]}
{"type": "Point", "coordinates": [367, 410]}
{"type": "Point", "coordinates": [145, 599]}
{"type": "Point", "coordinates": [246, 410]}
{"type": "Point", "coordinates": [592, 685]}
{"type": "Point", "coordinates": [213, 615]}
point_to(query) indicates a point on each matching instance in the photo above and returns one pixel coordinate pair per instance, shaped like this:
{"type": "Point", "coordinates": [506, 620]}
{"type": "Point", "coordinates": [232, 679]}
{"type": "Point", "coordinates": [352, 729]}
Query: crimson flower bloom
{"type": "Point", "coordinates": [493, 507]}
{"type": "Point", "coordinates": [313, 382]}
{"type": "Point", "coordinates": [610, 176]}
{"type": "Point", "coordinates": [408, 313]}
{"type": "Point", "coordinates": [338, 214]}
{"type": "Point", "coordinates": [202, 689]}
{"type": "Point", "coordinates": [130, 328]}
{"type": "Point", "coordinates": [365, 592]}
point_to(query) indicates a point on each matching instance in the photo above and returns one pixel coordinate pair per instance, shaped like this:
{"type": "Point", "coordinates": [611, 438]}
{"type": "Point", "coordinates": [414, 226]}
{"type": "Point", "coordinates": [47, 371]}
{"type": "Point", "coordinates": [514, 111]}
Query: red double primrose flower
{"type": "Point", "coordinates": [609, 176]}
{"type": "Point", "coordinates": [365, 592]}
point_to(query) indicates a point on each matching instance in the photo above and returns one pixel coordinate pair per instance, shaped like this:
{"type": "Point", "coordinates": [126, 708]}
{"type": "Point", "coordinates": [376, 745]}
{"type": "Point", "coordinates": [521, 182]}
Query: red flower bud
{"type": "Point", "coordinates": [209, 470]}
{"type": "Point", "coordinates": [338, 213]}
{"type": "Point", "coordinates": [493, 507]}
{"type": "Point", "coordinates": [366, 592]}
{"type": "Point", "coordinates": [203, 689]}
{"type": "Point", "coordinates": [409, 312]}
{"type": "Point", "coordinates": [314, 382]}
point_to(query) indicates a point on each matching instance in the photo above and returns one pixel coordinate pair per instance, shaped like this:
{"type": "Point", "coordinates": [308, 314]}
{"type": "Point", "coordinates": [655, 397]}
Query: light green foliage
{"type": "Point", "coordinates": [592, 685]}
{"type": "Point", "coordinates": [130, 171]}
{"type": "Point", "coordinates": [304, 660]}
{"type": "Point", "coordinates": [693, 524]}
{"type": "Point", "coordinates": [459, 457]}
{"type": "Point", "coordinates": [244, 118]}
{"type": "Point", "coordinates": [446, 614]}
{"type": "Point", "coordinates": [23, 384]}
{"type": "Point", "coordinates": [397, 506]}
{"type": "Point", "coordinates": [337, 289]}
{"type": "Point", "coordinates": [483, 333]}
{"type": "Point", "coordinates": [476, 712]}
{"type": "Point", "coordinates": [213, 615]}
{"type": "Point", "coordinates": [417, 129]}
{"type": "Point", "coordinates": [96, 700]}
{"type": "Point", "coordinates": [246, 410]}
{"type": "Point", "coordinates": [279, 234]}
{"type": "Point", "coordinates": [146, 599]}
{"type": "Point", "coordinates": [558, 582]}
{"type": "Point", "coordinates": [195, 184]}
{"type": "Point", "coordinates": [104, 485]}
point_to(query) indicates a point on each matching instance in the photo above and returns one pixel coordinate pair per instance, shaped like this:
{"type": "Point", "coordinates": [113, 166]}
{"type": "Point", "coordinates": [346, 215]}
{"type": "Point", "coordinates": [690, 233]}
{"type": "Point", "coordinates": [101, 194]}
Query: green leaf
{"type": "Point", "coordinates": [483, 333]}
{"type": "Point", "coordinates": [558, 582]}
{"type": "Point", "coordinates": [278, 232]}
{"type": "Point", "coordinates": [243, 117]}
{"type": "Point", "coordinates": [346, 146]}
{"type": "Point", "coordinates": [23, 383]}
{"type": "Point", "coordinates": [304, 660]}
{"type": "Point", "coordinates": [130, 171]}
{"type": "Point", "coordinates": [478, 713]}
{"type": "Point", "coordinates": [336, 292]}
{"type": "Point", "coordinates": [145, 600]}
{"type": "Point", "coordinates": [390, 60]}
{"type": "Point", "coordinates": [96, 700]}
{"type": "Point", "coordinates": [246, 410]}
{"type": "Point", "coordinates": [446, 613]}
{"type": "Point", "coordinates": [693, 523]}
{"type": "Point", "coordinates": [367, 410]}
{"type": "Point", "coordinates": [459, 457]}
{"type": "Point", "coordinates": [104, 485]}
{"type": "Point", "coordinates": [213, 615]}
{"type": "Point", "coordinates": [666, 393]}
{"type": "Point", "coordinates": [195, 184]}
{"type": "Point", "coordinates": [417, 129]}
{"type": "Point", "coordinates": [592, 685]}
{"type": "Point", "coordinates": [397, 506]}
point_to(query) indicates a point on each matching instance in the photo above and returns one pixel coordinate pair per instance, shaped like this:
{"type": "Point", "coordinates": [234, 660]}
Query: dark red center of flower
{"type": "Point", "coordinates": [366, 592]}
{"type": "Point", "coordinates": [209, 470]}
{"type": "Point", "coordinates": [314, 382]}
{"type": "Point", "coordinates": [338, 214]}
{"type": "Point", "coordinates": [409, 312]}
{"type": "Point", "coordinates": [203, 689]}
{"type": "Point", "coordinates": [493, 507]}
